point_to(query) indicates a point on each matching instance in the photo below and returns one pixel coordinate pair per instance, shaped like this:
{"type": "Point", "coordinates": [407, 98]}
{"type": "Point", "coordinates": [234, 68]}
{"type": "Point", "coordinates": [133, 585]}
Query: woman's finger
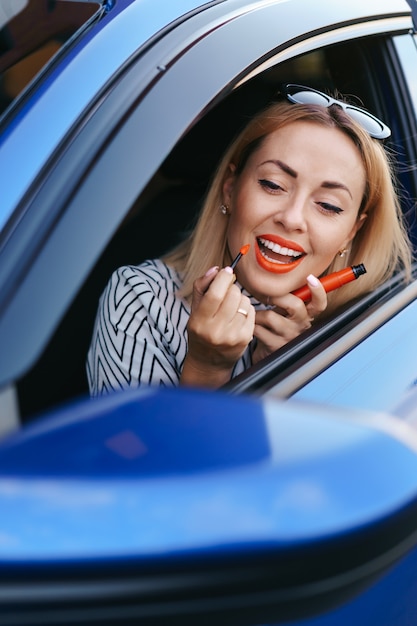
{"type": "Point", "coordinates": [318, 301]}
{"type": "Point", "coordinates": [210, 290]}
{"type": "Point", "coordinates": [276, 330]}
{"type": "Point", "coordinates": [202, 284]}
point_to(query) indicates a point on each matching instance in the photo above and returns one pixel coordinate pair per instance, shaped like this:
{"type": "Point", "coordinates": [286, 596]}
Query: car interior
{"type": "Point", "coordinates": [170, 203]}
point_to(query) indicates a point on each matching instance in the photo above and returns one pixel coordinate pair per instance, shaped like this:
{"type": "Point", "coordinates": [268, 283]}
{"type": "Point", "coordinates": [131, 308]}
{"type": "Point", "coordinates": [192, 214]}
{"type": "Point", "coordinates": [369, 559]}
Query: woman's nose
{"type": "Point", "coordinates": [293, 214]}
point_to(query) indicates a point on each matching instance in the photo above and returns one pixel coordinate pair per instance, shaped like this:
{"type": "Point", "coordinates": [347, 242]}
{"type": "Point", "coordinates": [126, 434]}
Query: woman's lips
{"type": "Point", "coordinates": [278, 255]}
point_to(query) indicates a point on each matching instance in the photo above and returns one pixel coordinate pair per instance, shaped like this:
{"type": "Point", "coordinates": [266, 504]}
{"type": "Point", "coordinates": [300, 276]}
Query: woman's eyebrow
{"type": "Point", "coordinates": [327, 184]}
{"type": "Point", "coordinates": [282, 166]}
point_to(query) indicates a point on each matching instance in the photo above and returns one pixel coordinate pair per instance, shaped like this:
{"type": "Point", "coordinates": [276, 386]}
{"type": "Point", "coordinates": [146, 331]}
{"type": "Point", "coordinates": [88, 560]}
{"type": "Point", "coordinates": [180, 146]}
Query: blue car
{"type": "Point", "coordinates": [289, 496]}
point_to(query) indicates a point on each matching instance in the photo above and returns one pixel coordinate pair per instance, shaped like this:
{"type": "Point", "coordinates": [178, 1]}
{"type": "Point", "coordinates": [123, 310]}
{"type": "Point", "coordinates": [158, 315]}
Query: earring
{"type": "Point", "coordinates": [224, 209]}
{"type": "Point", "coordinates": [343, 252]}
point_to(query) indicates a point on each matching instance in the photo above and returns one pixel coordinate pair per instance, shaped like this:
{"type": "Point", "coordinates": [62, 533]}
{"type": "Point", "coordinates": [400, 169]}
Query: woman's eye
{"type": "Point", "coordinates": [330, 208]}
{"type": "Point", "coordinates": [269, 185]}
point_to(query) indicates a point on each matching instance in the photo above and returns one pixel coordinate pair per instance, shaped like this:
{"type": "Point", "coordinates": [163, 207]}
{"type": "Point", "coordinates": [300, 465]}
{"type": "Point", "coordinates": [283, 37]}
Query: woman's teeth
{"type": "Point", "coordinates": [277, 249]}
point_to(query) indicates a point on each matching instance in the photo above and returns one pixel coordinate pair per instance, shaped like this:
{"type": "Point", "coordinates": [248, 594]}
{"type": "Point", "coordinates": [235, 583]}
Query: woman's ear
{"type": "Point", "coordinates": [228, 184]}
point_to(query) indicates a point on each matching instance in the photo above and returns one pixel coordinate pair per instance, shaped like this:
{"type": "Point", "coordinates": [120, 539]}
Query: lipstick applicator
{"type": "Point", "coordinates": [333, 281]}
{"type": "Point", "coordinates": [244, 249]}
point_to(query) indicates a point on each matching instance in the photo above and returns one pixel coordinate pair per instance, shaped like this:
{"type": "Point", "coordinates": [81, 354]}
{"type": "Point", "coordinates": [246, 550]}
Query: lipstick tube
{"type": "Point", "coordinates": [333, 281]}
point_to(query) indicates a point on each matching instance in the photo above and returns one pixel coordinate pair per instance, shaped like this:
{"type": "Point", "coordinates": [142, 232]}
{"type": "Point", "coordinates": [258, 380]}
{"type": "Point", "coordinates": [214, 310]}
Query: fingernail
{"type": "Point", "coordinates": [313, 281]}
{"type": "Point", "coordinates": [211, 271]}
{"type": "Point", "coordinates": [228, 270]}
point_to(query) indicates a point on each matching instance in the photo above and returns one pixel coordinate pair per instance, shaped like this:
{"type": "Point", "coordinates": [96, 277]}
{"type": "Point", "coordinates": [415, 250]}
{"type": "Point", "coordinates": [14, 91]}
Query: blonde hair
{"type": "Point", "coordinates": [381, 244]}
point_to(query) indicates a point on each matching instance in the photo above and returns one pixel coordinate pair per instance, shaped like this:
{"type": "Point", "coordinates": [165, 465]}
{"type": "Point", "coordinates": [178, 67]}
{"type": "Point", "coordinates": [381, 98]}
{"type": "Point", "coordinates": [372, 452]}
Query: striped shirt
{"type": "Point", "coordinates": [140, 331]}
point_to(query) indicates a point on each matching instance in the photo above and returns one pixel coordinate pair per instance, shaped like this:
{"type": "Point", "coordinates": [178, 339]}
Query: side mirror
{"type": "Point", "coordinates": [181, 506]}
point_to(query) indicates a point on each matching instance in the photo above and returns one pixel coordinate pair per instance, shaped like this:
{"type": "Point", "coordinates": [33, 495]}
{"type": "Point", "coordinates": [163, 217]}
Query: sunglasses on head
{"type": "Point", "coordinates": [299, 94]}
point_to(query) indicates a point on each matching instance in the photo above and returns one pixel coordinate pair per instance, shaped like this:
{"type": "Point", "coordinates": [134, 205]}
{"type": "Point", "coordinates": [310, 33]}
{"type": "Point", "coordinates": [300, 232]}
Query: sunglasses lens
{"type": "Point", "coordinates": [309, 97]}
{"type": "Point", "coordinates": [373, 126]}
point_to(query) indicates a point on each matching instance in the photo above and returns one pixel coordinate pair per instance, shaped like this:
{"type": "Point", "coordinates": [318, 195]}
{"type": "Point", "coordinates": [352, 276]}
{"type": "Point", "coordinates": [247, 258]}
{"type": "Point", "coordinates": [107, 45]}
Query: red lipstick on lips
{"type": "Point", "coordinates": [278, 267]}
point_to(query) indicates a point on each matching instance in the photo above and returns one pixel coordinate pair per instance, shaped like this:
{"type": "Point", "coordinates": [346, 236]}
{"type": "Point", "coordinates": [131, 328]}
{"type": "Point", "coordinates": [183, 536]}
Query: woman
{"type": "Point", "coordinates": [308, 185]}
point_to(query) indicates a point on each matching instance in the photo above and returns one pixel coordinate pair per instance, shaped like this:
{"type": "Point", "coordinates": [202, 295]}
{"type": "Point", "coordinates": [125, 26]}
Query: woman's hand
{"type": "Point", "coordinates": [290, 317]}
{"type": "Point", "coordinates": [218, 329]}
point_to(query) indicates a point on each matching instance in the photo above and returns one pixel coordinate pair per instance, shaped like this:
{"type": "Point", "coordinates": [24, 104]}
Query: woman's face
{"type": "Point", "coordinates": [296, 203]}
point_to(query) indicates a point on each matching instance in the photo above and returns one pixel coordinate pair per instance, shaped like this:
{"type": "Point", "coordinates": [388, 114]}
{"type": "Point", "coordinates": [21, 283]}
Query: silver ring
{"type": "Point", "coordinates": [245, 313]}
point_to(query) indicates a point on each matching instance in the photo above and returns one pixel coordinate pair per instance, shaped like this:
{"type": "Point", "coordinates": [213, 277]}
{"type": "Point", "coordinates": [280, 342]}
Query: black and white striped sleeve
{"type": "Point", "coordinates": [140, 332]}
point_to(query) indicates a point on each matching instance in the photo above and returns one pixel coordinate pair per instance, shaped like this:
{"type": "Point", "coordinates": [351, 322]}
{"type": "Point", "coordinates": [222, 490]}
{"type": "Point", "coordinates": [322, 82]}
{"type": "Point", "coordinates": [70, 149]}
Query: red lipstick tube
{"type": "Point", "coordinates": [333, 281]}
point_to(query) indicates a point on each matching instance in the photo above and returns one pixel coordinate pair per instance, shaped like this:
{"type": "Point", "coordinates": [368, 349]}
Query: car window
{"type": "Point", "coordinates": [25, 50]}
